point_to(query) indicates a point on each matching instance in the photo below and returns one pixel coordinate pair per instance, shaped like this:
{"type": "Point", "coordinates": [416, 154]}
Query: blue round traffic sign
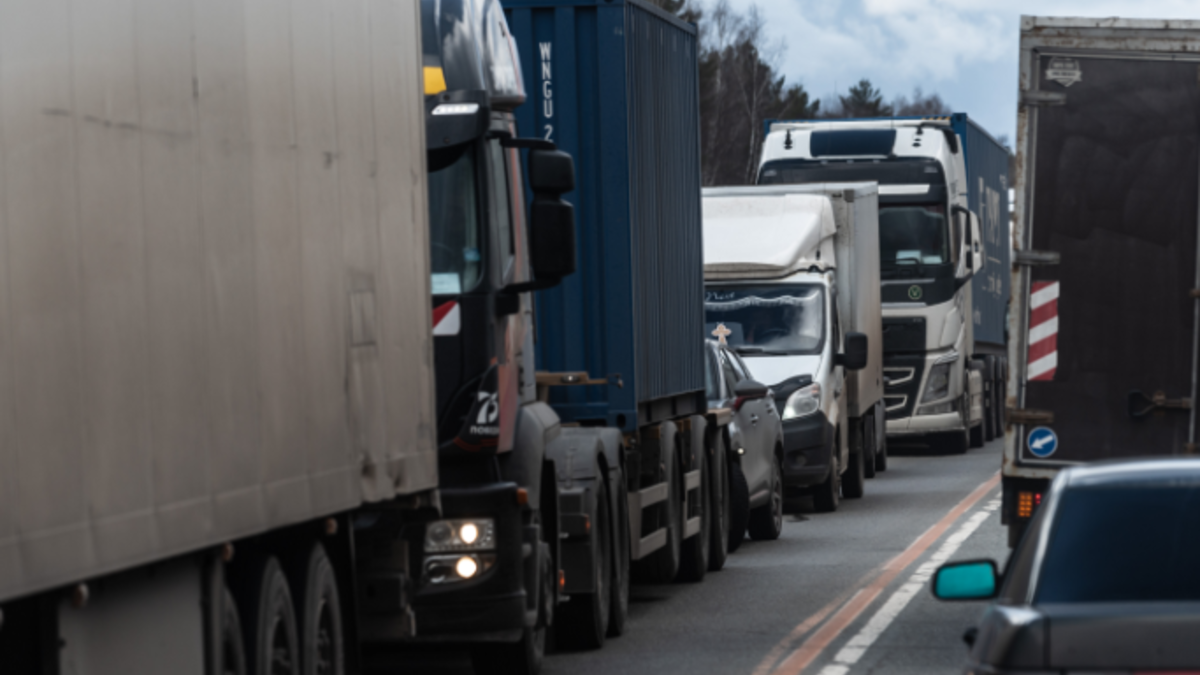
{"type": "Point", "coordinates": [1042, 442]}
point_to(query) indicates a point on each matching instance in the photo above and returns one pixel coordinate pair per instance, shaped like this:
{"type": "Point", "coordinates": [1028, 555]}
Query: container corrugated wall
{"type": "Point", "coordinates": [988, 182]}
{"type": "Point", "coordinates": [615, 84]}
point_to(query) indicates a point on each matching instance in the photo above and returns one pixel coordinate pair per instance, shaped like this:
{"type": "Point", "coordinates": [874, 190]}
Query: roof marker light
{"type": "Point", "coordinates": [456, 109]}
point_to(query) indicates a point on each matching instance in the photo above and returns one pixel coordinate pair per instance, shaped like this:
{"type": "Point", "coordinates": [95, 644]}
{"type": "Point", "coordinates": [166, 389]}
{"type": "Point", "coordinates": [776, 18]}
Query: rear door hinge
{"type": "Point", "coordinates": [1021, 416]}
{"type": "Point", "coordinates": [1034, 258]}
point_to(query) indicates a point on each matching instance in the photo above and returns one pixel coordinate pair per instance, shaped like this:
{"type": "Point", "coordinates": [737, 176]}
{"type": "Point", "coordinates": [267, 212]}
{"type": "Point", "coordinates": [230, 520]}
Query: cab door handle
{"type": "Point", "coordinates": [754, 419]}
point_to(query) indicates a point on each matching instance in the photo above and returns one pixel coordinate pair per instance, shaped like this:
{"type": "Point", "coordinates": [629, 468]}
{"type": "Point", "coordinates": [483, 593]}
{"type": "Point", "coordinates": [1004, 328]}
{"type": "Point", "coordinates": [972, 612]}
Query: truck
{"type": "Point", "coordinates": [944, 288]}
{"type": "Point", "coordinates": [574, 438]}
{"type": "Point", "coordinates": [1105, 182]}
{"type": "Point", "coordinates": [792, 284]}
{"type": "Point", "coordinates": [216, 369]}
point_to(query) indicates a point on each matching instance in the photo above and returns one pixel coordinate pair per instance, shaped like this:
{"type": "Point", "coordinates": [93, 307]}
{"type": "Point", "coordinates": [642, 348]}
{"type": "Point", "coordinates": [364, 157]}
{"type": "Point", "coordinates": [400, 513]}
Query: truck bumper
{"type": "Point", "coordinates": [493, 606]}
{"type": "Point", "coordinates": [920, 425]}
{"type": "Point", "coordinates": [807, 447]}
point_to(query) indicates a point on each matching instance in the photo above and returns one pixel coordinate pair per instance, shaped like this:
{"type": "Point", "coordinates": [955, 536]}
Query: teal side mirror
{"type": "Point", "coordinates": [966, 580]}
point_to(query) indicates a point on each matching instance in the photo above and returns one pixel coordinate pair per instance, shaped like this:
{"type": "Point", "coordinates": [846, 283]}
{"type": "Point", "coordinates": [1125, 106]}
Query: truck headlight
{"type": "Point", "coordinates": [938, 384]}
{"type": "Point", "coordinates": [449, 569]}
{"type": "Point", "coordinates": [464, 534]}
{"type": "Point", "coordinates": [803, 402]}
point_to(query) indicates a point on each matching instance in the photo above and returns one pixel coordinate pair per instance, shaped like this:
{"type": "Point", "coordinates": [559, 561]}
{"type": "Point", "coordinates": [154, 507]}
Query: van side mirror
{"type": "Point", "coordinates": [854, 354]}
{"type": "Point", "coordinates": [551, 218]}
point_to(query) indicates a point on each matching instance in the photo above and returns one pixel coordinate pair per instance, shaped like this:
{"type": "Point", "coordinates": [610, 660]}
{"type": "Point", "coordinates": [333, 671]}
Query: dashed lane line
{"type": "Point", "coordinates": [859, 600]}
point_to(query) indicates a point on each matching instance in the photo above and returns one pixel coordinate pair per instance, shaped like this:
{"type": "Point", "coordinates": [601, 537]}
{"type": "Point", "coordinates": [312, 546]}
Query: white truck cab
{"type": "Point", "coordinates": [929, 249]}
{"type": "Point", "coordinates": [775, 293]}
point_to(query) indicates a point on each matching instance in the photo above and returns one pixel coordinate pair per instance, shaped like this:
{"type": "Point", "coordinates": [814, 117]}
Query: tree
{"type": "Point", "coordinates": [863, 100]}
{"type": "Point", "coordinates": [920, 105]}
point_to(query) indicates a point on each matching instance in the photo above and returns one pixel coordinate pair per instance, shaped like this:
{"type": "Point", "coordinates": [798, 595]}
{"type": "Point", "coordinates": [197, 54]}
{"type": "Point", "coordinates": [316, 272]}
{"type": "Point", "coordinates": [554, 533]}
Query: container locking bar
{"type": "Point", "coordinates": [1020, 416]}
{"type": "Point", "coordinates": [1034, 258]}
{"type": "Point", "coordinates": [1141, 405]}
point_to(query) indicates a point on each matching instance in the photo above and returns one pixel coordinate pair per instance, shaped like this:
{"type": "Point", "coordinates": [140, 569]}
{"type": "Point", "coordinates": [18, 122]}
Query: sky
{"type": "Point", "coordinates": [963, 50]}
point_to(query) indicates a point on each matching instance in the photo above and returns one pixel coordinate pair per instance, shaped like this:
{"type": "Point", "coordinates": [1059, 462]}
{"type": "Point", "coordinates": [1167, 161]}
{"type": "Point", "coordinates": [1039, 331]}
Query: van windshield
{"type": "Point", "coordinates": [777, 319]}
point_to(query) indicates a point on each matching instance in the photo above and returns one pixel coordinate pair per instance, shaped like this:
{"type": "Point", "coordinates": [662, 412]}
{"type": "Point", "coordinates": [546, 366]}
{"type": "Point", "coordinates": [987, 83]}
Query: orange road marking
{"type": "Point", "coordinates": [811, 648]}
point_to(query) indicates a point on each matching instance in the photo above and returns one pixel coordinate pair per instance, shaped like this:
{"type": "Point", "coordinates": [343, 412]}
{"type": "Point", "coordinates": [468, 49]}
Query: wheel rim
{"type": "Point", "coordinates": [777, 498]}
{"type": "Point", "coordinates": [326, 649]}
{"type": "Point", "coordinates": [282, 662]}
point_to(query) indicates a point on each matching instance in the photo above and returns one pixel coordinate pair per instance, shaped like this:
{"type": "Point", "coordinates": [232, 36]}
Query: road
{"type": "Point", "coordinates": [837, 594]}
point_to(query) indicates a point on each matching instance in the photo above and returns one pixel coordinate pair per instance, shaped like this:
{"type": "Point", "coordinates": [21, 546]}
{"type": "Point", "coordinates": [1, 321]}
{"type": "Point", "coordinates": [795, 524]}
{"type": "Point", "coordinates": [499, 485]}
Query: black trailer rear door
{"type": "Point", "coordinates": [1115, 193]}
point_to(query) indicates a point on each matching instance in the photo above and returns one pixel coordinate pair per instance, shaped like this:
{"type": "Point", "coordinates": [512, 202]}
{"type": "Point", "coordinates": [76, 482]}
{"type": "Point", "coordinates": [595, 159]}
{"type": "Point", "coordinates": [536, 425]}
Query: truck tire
{"type": "Point", "coordinates": [693, 561]}
{"type": "Point", "coordinates": [881, 459]}
{"type": "Point", "coordinates": [828, 494]}
{"type": "Point", "coordinates": [766, 521]}
{"type": "Point", "coordinates": [523, 657]}
{"type": "Point", "coordinates": [582, 623]}
{"type": "Point", "coordinates": [718, 534]}
{"type": "Point", "coordinates": [270, 627]}
{"type": "Point", "coordinates": [869, 450]}
{"type": "Point", "coordinates": [854, 482]}
{"type": "Point", "coordinates": [662, 566]}
{"type": "Point", "coordinates": [739, 506]}
{"type": "Point", "coordinates": [315, 589]}
{"type": "Point", "coordinates": [618, 609]}
{"type": "Point", "coordinates": [1015, 532]}
{"type": "Point", "coordinates": [977, 436]}
{"type": "Point", "coordinates": [233, 650]}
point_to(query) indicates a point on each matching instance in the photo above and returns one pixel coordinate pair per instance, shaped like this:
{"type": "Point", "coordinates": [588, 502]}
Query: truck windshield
{"type": "Point", "coordinates": [782, 319]}
{"type": "Point", "coordinates": [454, 237]}
{"type": "Point", "coordinates": [915, 233]}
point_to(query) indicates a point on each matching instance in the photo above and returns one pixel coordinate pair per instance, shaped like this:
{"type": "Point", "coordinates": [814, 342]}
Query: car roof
{"type": "Point", "coordinates": [1139, 472]}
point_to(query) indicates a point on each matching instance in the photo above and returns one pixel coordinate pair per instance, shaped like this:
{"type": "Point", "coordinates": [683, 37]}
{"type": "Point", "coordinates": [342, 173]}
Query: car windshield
{"type": "Point", "coordinates": [782, 319]}
{"type": "Point", "coordinates": [911, 234]}
{"type": "Point", "coordinates": [1124, 544]}
{"type": "Point", "coordinates": [454, 245]}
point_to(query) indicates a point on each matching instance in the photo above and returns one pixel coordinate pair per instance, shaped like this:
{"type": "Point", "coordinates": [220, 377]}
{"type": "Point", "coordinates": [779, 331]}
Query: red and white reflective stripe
{"type": "Point", "coordinates": [1043, 331]}
{"type": "Point", "coordinates": [447, 319]}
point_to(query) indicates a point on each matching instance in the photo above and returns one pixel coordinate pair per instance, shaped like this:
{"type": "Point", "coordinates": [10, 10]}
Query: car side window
{"type": "Point", "coordinates": [1019, 569]}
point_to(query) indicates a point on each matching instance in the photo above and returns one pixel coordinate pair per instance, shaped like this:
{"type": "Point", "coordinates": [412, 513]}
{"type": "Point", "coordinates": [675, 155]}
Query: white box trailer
{"type": "Point", "coordinates": [214, 301]}
{"type": "Point", "coordinates": [853, 245]}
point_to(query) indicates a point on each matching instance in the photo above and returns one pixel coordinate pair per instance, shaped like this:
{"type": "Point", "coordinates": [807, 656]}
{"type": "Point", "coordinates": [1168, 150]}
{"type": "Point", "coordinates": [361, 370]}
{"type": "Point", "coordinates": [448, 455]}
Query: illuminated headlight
{"type": "Point", "coordinates": [448, 569]}
{"type": "Point", "coordinates": [467, 534]}
{"type": "Point", "coordinates": [456, 109]}
{"type": "Point", "coordinates": [938, 384]}
{"type": "Point", "coordinates": [803, 402]}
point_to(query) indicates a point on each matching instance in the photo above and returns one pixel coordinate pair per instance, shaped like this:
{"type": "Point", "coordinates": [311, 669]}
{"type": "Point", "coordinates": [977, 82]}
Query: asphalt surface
{"type": "Point", "coordinates": [837, 594]}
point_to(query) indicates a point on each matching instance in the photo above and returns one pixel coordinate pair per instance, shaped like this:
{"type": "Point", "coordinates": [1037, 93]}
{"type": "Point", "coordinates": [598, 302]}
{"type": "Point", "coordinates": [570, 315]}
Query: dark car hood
{"type": "Point", "coordinates": [1152, 636]}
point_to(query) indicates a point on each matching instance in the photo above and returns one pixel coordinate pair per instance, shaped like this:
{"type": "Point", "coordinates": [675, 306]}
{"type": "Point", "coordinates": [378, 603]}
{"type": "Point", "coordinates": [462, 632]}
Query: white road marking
{"type": "Point", "coordinates": [885, 615]}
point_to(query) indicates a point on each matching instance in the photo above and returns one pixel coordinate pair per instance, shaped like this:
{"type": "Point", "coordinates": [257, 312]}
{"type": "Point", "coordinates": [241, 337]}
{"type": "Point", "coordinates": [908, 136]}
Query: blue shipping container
{"type": "Point", "coordinates": [615, 84]}
{"type": "Point", "coordinates": [987, 196]}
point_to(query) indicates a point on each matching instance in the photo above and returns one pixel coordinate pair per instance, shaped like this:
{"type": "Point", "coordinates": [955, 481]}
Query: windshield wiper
{"type": "Point", "coordinates": [763, 350]}
{"type": "Point", "coordinates": [749, 350]}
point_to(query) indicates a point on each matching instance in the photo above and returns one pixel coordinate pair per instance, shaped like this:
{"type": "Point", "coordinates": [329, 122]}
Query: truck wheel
{"type": "Point", "coordinates": [233, 651]}
{"type": "Point", "coordinates": [951, 442]}
{"type": "Point", "coordinates": [739, 506]}
{"type": "Point", "coordinates": [618, 608]}
{"type": "Point", "coordinates": [271, 622]}
{"type": "Point", "coordinates": [718, 533]}
{"type": "Point", "coordinates": [322, 643]}
{"type": "Point", "coordinates": [854, 482]}
{"type": "Point", "coordinates": [693, 562]}
{"type": "Point", "coordinates": [582, 623]}
{"type": "Point", "coordinates": [868, 451]}
{"type": "Point", "coordinates": [881, 458]}
{"type": "Point", "coordinates": [662, 565]}
{"type": "Point", "coordinates": [828, 494]}
{"type": "Point", "coordinates": [766, 522]}
{"type": "Point", "coordinates": [977, 435]}
{"type": "Point", "coordinates": [523, 657]}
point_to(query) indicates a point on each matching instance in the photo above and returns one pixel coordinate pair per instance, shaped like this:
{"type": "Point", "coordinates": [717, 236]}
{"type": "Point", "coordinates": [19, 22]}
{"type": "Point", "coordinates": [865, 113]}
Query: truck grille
{"type": "Point", "coordinates": [903, 375]}
{"type": "Point", "coordinates": [904, 334]}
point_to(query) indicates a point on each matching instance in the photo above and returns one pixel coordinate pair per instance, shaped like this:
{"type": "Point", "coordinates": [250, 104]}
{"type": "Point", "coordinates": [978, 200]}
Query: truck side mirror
{"type": "Point", "coordinates": [551, 219]}
{"type": "Point", "coordinates": [854, 354]}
